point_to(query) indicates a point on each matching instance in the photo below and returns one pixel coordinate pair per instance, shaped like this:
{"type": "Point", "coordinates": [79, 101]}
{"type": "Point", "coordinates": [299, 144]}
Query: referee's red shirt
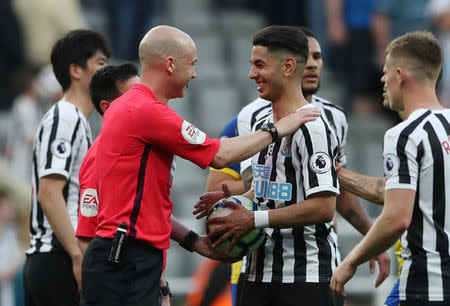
{"type": "Point", "coordinates": [89, 205]}
{"type": "Point", "coordinates": [134, 165]}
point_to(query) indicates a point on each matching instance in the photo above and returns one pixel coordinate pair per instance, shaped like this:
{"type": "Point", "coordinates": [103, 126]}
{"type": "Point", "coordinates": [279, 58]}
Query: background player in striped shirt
{"type": "Point", "coordinates": [52, 272]}
{"type": "Point", "coordinates": [417, 167]}
{"type": "Point", "coordinates": [294, 182]}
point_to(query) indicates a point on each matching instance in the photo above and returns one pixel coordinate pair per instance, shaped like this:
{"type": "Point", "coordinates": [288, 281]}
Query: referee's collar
{"type": "Point", "coordinates": [145, 89]}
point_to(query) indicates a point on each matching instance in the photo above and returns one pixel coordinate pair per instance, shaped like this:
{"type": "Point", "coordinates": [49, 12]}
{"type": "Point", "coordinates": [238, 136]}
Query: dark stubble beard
{"type": "Point", "coordinates": [310, 91]}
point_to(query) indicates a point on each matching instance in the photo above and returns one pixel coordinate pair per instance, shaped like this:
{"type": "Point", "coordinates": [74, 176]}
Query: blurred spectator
{"type": "Point", "coordinates": [349, 33]}
{"type": "Point", "coordinates": [128, 22]}
{"type": "Point", "coordinates": [49, 88]}
{"type": "Point", "coordinates": [393, 19]}
{"type": "Point", "coordinates": [11, 51]}
{"type": "Point", "coordinates": [284, 12]}
{"type": "Point", "coordinates": [9, 251]}
{"type": "Point", "coordinates": [211, 284]}
{"type": "Point", "coordinates": [26, 114]}
{"type": "Point", "coordinates": [43, 22]}
{"type": "Point", "coordinates": [440, 13]}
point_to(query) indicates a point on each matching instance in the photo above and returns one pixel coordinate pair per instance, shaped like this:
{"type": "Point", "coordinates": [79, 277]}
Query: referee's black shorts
{"type": "Point", "coordinates": [134, 281]}
{"type": "Point", "coordinates": [48, 280]}
{"type": "Point", "coordinates": [288, 294]}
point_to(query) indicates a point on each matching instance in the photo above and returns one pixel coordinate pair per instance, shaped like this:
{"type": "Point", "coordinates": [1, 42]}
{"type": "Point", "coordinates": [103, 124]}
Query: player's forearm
{"type": "Point", "coordinates": [367, 187]}
{"type": "Point", "coordinates": [55, 209]}
{"type": "Point", "coordinates": [235, 149]}
{"type": "Point", "coordinates": [315, 210]}
{"type": "Point", "coordinates": [383, 234]}
{"type": "Point", "coordinates": [83, 243]}
{"type": "Point", "coordinates": [348, 206]}
{"type": "Point", "coordinates": [217, 178]}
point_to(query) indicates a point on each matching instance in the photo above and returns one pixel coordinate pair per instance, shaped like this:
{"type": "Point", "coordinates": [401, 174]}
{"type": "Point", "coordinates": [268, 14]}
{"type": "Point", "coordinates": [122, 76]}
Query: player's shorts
{"type": "Point", "coordinates": [48, 280]}
{"type": "Point", "coordinates": [393, 299]}
{"type": "Point", "coordinates": [288, 294]}
{"type": "Point", "coordinates": [135, 280]}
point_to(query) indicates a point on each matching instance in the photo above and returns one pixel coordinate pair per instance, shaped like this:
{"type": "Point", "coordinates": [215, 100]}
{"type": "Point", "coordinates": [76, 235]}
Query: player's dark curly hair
{"type": "Point", "coordinates": [103, 84]}
{"type": "Point", "coordinates": [76, 48]}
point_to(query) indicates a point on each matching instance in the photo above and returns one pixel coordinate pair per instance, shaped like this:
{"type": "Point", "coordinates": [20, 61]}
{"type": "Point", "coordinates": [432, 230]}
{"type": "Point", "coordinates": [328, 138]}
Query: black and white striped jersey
{"type": "Point", "coordinates": [247, 118]}
{"type": "Point", "coordinates": [337, 121]}
{"type": "Point", "coordinates": [417, 156]}
{"type": "Point", "coordinates": [286, 173]}
{"type": "Point", "coordinates": [61, 142]}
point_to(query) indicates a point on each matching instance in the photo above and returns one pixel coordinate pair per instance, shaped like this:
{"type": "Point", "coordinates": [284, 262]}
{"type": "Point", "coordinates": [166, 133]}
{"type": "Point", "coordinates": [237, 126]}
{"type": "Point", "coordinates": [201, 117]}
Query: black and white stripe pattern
{"type": "Point", "coordinates": [62, 140]}
{"type": "Point", "coordinates": [336, 119]}
{"type": "Point", "coordinates": [417, 157]}
{"type": "Point", "coordinates": [286, 173]}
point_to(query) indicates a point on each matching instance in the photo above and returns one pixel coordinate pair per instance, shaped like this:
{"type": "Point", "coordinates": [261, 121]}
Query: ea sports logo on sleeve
{"type": "Point", "coordinates": [192, 134]}
{"type": "Point", "coordinates": [89, 203]}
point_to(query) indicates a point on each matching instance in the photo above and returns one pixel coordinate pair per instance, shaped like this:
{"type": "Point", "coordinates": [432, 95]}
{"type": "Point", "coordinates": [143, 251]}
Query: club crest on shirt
{"type": "Point", "coordinates": [61, 148]}
{"type": "Point", "coordinates": [320, 162]}
{"type": "Point", "coordinates": [192, 134]}
{"type": "Point", "coordinates": [391, 164]}
{"type": "Point", "coordinates": [89, 203]}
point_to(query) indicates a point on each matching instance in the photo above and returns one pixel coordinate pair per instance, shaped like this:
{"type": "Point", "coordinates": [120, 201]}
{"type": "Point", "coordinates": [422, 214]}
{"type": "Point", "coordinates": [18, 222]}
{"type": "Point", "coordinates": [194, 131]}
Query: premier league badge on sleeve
{"type": "Point", "coordinates": [61, 148]}
{"type": "Point", "coordinates": [391, 164]}
{"type": "Point", "coordinates": [320, 162]}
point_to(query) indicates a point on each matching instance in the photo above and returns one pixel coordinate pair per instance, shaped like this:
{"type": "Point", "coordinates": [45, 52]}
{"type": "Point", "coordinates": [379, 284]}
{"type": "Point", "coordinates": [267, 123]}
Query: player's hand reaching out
{"type": "Point", "coordinates": [292, 122]}
{"type": "Point", "coordinates": [384, 264]}
{"type": "Point", "coordinates": [208, 199]}
{"type": "Point", "coordinates": [240, 222]}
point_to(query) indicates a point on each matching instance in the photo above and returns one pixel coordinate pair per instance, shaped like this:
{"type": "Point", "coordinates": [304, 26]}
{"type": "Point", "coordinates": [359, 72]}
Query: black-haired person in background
{"type": "Point", "coordinates": [52, 272]}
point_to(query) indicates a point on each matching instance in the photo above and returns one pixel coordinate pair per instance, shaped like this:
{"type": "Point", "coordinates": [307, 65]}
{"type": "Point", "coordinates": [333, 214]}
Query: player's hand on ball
{"type": "Point", "coordinates": [207, 200]}
{"type": "Point", "coordinates": [233, 227]}
{"type": "Point", "coordinates": [292, 122]}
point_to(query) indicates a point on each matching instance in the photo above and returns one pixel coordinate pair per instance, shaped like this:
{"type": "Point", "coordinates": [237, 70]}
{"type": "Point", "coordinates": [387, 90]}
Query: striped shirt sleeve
{"type": "Point", "coordinates": [316, 147]}
{"type": "Point", "coordinates": [400, 155]}
{"type": "Point", "coordinates": [59, 134]}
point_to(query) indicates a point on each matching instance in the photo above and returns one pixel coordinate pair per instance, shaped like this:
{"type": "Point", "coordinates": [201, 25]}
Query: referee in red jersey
{"type": "Point", "coordinates": [135, 164]}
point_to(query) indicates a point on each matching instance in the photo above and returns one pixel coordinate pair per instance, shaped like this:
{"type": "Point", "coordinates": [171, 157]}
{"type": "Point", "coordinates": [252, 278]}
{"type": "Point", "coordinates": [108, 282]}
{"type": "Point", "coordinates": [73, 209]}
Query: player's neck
{"type": "Point", "coordinates": [79, 98]}
{"type": "Point", "coordinates": [417, 98]}
{"type": "Point", "coordinates": [291, 100]}
{"type": "Point", "coordinates": [157, 84]}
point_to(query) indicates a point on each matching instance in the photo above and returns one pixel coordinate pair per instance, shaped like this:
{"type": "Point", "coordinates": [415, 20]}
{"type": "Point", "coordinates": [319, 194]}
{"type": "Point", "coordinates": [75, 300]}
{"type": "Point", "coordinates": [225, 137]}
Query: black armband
{"type": "Point", "coordinates": [166, 290]}
{"type": "Point", "coordinates": [189, 240]}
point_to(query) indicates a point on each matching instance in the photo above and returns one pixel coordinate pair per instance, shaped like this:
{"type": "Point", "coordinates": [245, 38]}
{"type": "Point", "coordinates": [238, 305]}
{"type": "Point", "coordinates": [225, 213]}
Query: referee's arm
{"type": "Point", "coordinates": [50, 197]}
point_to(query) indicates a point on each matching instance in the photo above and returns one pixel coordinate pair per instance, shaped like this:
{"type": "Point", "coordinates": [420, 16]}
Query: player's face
{"type": "Point", "coordinates": [390, 80]}
{"type": "Point", "coordinates": [95, 62]}
{"type": "Point", "coordinates": [184, 69]}
{"type": "Point", "coordinates": [311, 76]}
{"type": "Point", "coordinates": [266, 71]}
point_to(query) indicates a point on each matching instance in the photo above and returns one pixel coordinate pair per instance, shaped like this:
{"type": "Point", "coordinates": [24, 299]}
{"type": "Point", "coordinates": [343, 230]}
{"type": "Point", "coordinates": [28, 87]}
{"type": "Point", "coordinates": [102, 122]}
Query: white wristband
{"type": "Point", "coordinates": [261, 218]}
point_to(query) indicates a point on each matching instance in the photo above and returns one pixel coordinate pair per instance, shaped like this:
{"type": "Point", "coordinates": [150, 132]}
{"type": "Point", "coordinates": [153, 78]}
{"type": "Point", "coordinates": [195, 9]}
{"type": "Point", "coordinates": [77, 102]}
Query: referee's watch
{"type": "Point", "coordinates": [271, 128]}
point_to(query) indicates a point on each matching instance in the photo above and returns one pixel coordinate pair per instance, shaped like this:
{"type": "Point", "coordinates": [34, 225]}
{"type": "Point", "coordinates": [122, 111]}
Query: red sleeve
{"type": "Point", "coordinates": [88, 206]}
{"type": "Point", "coordinates": [161, 126]}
